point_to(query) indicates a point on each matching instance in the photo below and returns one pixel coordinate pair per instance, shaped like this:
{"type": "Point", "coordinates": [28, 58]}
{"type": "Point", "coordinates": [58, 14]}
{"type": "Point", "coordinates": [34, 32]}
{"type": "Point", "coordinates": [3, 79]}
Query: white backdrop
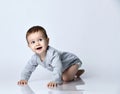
{"type": "Point", "coordinates": [88, 28]}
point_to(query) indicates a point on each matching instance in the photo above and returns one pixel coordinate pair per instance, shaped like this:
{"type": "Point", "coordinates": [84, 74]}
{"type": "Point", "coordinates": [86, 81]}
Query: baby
{"type": "Point", "coordinates": [63, 65]}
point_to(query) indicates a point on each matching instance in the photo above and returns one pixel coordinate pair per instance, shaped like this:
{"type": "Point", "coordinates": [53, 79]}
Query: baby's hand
{"type": "Point", "coordinates": [52, 84]}
{"type": "Point", "coordinates": [22, 82]}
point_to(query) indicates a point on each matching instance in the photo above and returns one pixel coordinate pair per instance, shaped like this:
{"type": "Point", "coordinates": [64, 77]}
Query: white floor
{"type": "Point", "coordinates": [79, 86]}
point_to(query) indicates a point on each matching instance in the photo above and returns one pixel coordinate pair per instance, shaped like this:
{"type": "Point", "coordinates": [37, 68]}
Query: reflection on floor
{"type": "Point", "coordinates": [70, 88]}
{"type": "Point", "coordinates": [95, 85]}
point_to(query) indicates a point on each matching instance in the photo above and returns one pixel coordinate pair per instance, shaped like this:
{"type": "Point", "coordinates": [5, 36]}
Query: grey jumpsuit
{"type": "Point", "coordinates": [55, 61]}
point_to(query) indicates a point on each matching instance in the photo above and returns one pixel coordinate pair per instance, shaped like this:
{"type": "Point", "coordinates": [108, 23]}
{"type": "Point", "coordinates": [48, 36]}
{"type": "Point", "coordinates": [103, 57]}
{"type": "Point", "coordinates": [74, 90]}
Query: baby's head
{"type": "Point", "coordinates": [35, 29]}
{"type": "Point", "coordinates": [37, 39]}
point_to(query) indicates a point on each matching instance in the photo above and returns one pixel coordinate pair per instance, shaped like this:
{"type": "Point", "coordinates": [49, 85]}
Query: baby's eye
{"type": "Point", "coordinates": [32, 42]}
{"type": "Point", "coordinates": [40, 39]}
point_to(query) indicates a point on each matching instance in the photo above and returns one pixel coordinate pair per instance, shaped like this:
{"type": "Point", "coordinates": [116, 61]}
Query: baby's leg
{"type": "Point", "coordinates": [70, 73]}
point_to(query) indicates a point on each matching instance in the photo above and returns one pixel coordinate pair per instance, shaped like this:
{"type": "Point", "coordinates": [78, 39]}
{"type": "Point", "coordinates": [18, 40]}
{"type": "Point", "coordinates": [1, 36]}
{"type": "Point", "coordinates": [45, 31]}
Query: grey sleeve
{"type": "Point", "coordinates": [57, 69]}
{"type": "Point", "coordinates": [29, 68]}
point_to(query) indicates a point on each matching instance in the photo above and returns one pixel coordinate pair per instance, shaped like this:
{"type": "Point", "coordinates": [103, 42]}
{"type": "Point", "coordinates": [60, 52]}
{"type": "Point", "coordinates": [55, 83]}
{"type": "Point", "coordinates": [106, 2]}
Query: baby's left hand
{"type": "Point", "coordinates": [52, 84]}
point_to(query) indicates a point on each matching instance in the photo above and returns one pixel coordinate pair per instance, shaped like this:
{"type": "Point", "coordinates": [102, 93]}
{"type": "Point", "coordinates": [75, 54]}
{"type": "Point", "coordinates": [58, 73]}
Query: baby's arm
{"type": "Point", "coordinates": [57, 72]}
{"type": "Point", "coordinates": [26, 73]}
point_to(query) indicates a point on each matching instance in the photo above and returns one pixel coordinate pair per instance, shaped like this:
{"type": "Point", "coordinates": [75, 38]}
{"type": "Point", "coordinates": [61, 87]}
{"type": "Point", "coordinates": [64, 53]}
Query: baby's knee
{"type": "Point", "coordinates": [65, 78]}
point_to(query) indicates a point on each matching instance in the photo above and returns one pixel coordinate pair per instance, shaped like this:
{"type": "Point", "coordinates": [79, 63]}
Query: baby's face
{"type": "Point", "coordinates": [38, 42]}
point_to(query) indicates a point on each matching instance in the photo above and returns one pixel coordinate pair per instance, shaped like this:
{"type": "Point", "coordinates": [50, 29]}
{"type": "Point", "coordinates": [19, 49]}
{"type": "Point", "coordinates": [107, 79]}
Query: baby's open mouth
{"type": "Point", "coordinates": [39, 48]}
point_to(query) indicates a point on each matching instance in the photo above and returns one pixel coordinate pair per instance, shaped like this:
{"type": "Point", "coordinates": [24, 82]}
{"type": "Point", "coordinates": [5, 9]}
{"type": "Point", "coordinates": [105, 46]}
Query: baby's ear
{"type": "Point", "coordinates": [28, 45]}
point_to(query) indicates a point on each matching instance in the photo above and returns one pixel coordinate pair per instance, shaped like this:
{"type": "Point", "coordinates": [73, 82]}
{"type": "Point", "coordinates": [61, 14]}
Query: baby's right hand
{"type": "Point", "coordinates": [22, 82]}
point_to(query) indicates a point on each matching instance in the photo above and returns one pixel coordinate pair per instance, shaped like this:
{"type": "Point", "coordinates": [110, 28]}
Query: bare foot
{"type": "Point", "coordinates": [79, 73]}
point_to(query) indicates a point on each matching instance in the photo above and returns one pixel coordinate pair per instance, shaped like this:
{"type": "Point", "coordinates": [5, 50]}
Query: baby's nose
{"type": "Point", "coordinates": [37, 43]}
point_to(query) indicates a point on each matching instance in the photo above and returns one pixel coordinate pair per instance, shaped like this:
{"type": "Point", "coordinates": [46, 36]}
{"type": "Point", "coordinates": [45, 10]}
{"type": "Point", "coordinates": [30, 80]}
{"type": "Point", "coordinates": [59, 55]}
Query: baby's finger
{"type": "Point", "coordinates": [18, 83]}
{"type": "Point", "coordinates": [52, 85]}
